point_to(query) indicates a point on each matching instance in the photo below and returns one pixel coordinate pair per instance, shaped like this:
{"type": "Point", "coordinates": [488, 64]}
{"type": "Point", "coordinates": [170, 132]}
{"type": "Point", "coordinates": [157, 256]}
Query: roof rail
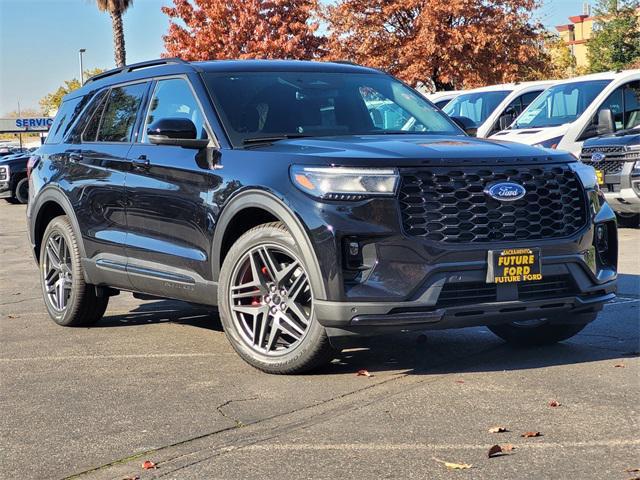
{"type": "Point", "coordinates": [136, 66]}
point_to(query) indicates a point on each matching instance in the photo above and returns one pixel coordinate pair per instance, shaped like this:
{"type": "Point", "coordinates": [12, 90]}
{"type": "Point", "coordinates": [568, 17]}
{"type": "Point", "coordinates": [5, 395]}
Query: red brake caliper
{"type": "Point", "coordinates": [257, 300]}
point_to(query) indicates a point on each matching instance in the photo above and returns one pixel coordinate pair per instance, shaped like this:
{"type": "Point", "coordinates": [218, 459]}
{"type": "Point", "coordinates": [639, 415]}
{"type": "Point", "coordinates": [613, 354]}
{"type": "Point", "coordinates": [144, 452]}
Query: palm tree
{"type": "Point", "coordinates": [116, 9]}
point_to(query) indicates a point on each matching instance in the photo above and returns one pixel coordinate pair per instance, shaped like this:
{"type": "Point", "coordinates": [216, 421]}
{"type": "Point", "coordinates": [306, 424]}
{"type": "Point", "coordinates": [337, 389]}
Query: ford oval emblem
{"type": "Point", "coordinates": [506, 191]}
{"type": "Point", "coordinates": [598, 157]}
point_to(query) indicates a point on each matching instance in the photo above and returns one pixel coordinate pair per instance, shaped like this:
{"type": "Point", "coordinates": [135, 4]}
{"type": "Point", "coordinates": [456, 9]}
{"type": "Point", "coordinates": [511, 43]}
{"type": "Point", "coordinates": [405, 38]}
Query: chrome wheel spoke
{"type": "Point", "coordinates": [57, 272]}
{"type": "Point", "coordinates": [297, 310]}
{"type": "Point", "coordinates": [270, 300]}
{"type": "Point", "coordinates": [290, 326]}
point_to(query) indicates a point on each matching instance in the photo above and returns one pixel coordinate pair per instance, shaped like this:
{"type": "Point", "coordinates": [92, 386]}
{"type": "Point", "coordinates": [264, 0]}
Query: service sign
{"type": "Point", "coordinates": [25, 124]}
{"type": "Point", "coordinates": [514, 265]}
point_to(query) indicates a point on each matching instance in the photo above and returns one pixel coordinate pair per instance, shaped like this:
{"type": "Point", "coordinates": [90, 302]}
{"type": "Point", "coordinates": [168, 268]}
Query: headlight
{"type": "Point", "coordinates": [551, 143]}
{"type": "Point", "coordinates": [344, 183]}
{"type": "Point", "coordinates": [586, 173]}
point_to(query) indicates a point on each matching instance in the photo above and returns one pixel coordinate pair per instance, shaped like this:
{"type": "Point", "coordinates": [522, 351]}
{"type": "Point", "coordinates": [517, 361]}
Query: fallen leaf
{"type": "Point", "coordinates": [364, 373]}
{"type": "Point", "coordinates": [498, 430]}
{"type": "Point", "coordinates": [554, 403]}
{"type": "Point", "coordinates": [459, 381]}
{"type": "Point", "coordinates": [494, 451]}
{"type": "Point", "coordinates": [12, 316]}
{"type": "Point", "coordinates": [148, 465]}
{"type": "Point", "coordinates": [531, 434]}
{"type": "Point", "coordinates": [454, 466]}
{"type": "Point", "coordinates": [619, 365]}
{"type": "Point", "coordinates": [507, 448]}
{"type": "Point", "coordinates": [632, 470]}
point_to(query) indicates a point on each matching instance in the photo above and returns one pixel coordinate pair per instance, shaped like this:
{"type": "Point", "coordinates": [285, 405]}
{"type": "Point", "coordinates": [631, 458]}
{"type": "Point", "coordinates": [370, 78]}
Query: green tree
{"type": "Point", "coordinates": [51, 102]}
{"type": "Point", "coordinates": [116, 9]}
{"type": "Point", "coordinates": [615, 43]}
{"type": "Point", "coordinates": [563, 63]}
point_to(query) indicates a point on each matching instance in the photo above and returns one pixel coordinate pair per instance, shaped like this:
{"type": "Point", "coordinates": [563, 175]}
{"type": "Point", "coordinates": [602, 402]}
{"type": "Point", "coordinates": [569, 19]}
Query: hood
{"type": "Point", "coordinates": [531, 136]}
{"type": "Point", "coordinates": [628, 139]}
{"type": "Point", "coordinates": [406, 149]}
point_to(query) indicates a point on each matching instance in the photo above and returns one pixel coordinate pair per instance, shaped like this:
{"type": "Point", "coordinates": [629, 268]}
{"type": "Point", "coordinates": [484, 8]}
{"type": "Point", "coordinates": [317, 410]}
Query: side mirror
{"type": "Point", "coordinates": [606, 123]}
{"type": "Point", "coordinates": [180, 132]}
{"type": "Point", "coordinates": [467, 125]}
{"type": "Point", "coordinates": [505, 120]}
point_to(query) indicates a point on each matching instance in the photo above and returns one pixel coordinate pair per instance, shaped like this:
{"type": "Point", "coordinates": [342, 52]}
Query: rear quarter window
{"type": "Point", "coordinates": [67, 113]}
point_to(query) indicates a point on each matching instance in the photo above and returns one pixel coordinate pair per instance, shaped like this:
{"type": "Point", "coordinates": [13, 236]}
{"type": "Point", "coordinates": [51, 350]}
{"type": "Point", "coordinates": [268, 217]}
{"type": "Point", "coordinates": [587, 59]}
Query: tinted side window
{"type": "Point", "coordinates": [92, 121]}
{"type": "Point", "coordinates": [614, 103]}
{"type": "Point", "coordinates": [119, 116]}
{"type": "Point", "coordinates": [173, 98]}
{"type": "Point", "coordinates": [93, 101]}
{"type": "Point", "coordinates": [67, 113]}
{"type": "Point", "coordinates": [632, 105]}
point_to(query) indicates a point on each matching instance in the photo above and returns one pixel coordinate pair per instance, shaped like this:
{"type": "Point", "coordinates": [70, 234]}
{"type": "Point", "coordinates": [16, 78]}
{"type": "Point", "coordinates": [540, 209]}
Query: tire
{"type": "Point", "coordinates": [80, 307]}
{"type": "Point", "coordinates": [629, 220]}
{"type": "Point", "coordinates": [250, 331]}
{"type": "Point", "coordinates": [543, 333]}
{"type": "Point", "coordinates": [21, 192]}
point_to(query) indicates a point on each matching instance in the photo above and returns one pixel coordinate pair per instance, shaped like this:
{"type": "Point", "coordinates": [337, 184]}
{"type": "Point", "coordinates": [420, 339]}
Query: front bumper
{"type": "Point", "coordinates": [433, 309]}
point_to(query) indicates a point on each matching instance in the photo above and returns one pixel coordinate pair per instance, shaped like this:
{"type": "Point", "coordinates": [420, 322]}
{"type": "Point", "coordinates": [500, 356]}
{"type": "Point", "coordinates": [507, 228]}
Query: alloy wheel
{"type": "Point", "coordinates": [270, 300]}
{"type": "Point", "coordinates": [57, 272]}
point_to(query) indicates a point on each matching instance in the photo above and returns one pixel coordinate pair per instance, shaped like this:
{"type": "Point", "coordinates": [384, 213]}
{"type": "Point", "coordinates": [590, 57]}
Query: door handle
{"type": "Point", "coordinates": [75, 157]}
{"type": "Point", "coordinates": [141, 163]}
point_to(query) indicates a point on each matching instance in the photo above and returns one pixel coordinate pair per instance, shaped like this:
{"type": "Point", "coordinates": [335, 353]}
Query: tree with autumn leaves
{"type": "Point", "coordinates": [222, 29]}
{"type": "Point", "coordinates": [450, 43]}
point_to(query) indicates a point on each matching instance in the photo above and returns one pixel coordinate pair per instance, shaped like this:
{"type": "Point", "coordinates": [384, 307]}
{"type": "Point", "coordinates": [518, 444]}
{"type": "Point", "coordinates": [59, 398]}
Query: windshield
{"type": "Point", "coordinates": [271, 105]}
{"type": "Point", "coordinates": [560, 104]}
{"type": "Point", "coordinates": [475, 106]}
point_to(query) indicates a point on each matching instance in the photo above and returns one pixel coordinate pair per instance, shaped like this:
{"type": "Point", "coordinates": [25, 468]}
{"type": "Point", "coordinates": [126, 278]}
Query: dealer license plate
{"type": "Point", "coordinates": [514, 265]}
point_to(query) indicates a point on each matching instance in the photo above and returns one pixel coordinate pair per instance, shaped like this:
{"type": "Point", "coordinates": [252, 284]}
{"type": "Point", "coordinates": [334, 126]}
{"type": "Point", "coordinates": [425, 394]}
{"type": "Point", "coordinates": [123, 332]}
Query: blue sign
{"type": "Point", "coordinates": [506, 191]}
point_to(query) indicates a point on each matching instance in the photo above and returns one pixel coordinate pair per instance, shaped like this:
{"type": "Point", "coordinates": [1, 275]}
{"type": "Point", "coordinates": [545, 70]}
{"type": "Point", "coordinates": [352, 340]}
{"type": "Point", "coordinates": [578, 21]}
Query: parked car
{"type": "Point", "coordinates": [616, 158]}
{"type": "Point", "coordinates": [441, 99]}
{"type": "Point", "coordinates": [577, 109]}
{"type": "Point", "coordinates": [266, 188]}
{"type": "Point", "coordinates": [14, 184]}
{"type": "Point", "coordinates": [487, 110]}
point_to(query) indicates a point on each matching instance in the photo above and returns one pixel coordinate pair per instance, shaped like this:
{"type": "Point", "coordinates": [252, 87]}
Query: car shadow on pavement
{"type": "Point", "coordinates": [614, 335]}
{"type": "Point", "coordinates": [162, 311]}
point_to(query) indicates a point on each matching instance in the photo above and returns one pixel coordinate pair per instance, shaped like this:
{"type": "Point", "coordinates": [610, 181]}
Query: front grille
{"type": "Point", "coordinates": [473, 293]}
{"type": "Point", "coordinates": [449, 205]}
{"type": "Point", "coordinates": [620, 149]}
{"type": "Point", "coordinates": [608, 167]}
{"type": "Point", "coordinates": [3, 174]}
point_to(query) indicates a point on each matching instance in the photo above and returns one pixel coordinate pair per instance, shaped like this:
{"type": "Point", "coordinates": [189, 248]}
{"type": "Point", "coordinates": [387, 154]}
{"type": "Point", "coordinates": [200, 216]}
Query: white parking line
{"type": "Point", "coordinates": [433, 446]}
{"type": "Point", "coordinates": [103, 357]}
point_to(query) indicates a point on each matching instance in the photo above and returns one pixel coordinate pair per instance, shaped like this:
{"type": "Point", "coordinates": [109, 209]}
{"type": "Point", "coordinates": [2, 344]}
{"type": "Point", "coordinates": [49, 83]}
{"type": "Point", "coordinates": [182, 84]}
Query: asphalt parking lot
{"type": "Point", "coordinates": [157, 381]}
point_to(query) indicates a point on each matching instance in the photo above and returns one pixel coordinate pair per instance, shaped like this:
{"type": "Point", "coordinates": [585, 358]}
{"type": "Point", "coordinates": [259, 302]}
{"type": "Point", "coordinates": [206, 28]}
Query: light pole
{"type": "Point", "coordinates": [80, 52]}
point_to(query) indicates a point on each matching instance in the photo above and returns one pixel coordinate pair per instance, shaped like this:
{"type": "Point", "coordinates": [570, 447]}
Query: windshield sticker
{"type": "Point", "coordinates": [526, 117]}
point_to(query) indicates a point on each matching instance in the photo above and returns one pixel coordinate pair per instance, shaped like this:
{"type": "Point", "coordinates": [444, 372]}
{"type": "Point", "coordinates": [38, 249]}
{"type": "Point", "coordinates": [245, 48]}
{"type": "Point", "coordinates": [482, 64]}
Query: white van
{"type": "Point", "coordinates": [487, 110]}
{"type": "Point", "coordinates": [573, 110]}
{"type": "Point", "coordinates": [440, 99]}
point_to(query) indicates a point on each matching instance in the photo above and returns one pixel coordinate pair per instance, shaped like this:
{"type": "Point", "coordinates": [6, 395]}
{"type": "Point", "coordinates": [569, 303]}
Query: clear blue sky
{"type": "Point", "coordinates": [39, 41]}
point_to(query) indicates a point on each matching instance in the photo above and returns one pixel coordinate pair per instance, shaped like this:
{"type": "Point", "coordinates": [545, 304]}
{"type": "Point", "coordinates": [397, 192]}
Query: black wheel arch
{"type": "Point", "coordinates": [50, 203]}
{"type": "Point", "coordinates": [274, 210]}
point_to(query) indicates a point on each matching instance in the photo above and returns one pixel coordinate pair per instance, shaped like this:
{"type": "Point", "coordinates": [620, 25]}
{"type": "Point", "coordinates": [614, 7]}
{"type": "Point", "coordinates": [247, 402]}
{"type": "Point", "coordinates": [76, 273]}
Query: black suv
{"type": "Point", "coordinates": [310, 202]}
{"type": "Point", "coordinates": [14, 185]}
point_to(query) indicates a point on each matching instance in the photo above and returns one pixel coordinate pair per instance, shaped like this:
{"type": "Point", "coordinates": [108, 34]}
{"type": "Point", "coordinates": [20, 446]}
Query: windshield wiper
{"type": "Point", "coordinates": [275, 138]}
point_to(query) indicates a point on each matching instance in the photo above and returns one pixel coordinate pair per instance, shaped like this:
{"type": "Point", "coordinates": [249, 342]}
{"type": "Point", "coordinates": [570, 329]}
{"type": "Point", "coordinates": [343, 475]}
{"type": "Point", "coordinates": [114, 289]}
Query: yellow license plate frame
{"type": "Point", "coordinates": [514, 265]}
